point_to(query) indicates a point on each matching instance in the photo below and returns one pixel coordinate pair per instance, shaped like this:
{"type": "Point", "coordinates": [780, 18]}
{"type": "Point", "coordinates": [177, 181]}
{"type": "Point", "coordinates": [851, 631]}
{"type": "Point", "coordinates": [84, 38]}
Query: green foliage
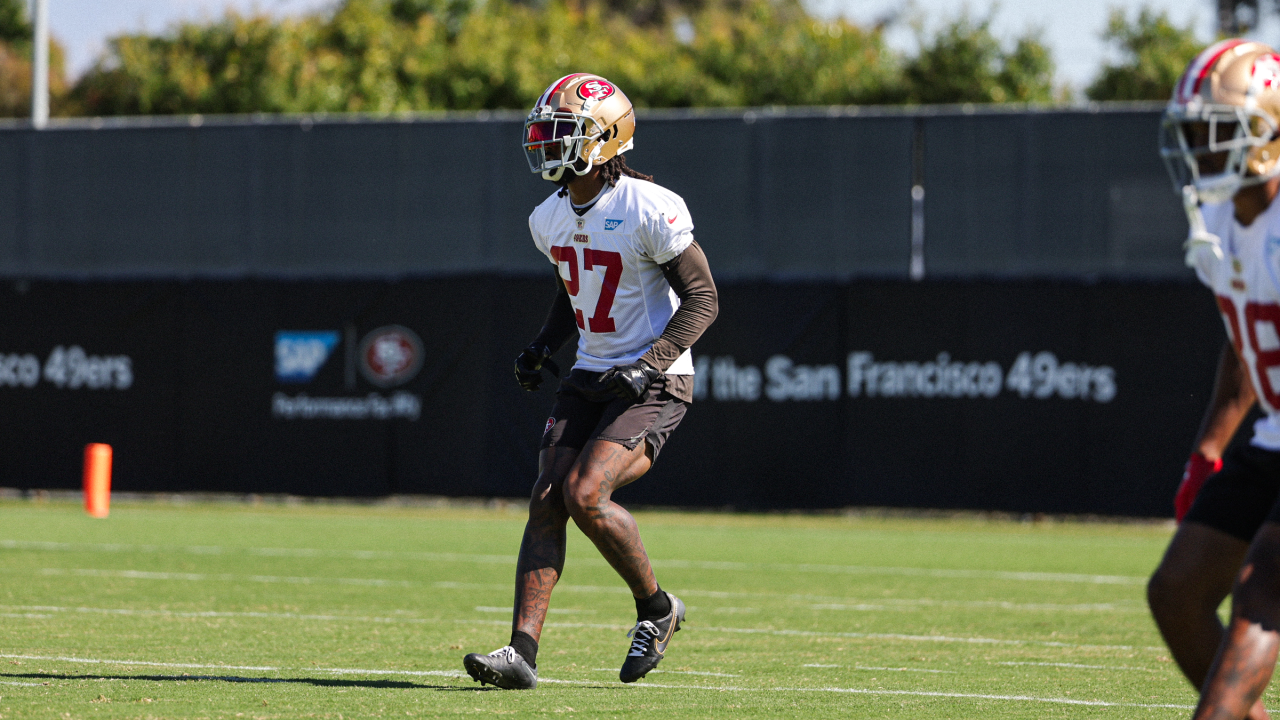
{"type": "Point", "coordinates": [966, 63]}
{"type": "Point", "coordinates": [14, 26]}
{"type": "Point", "coordinates": [388, 56]}
{"type": "Point", "coordinates": [15, 62]}
{"type": "Point", "coordinates": [1155, 53]}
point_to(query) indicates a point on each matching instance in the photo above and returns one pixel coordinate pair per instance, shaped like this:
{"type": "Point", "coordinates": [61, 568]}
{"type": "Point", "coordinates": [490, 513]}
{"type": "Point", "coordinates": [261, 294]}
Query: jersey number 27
{"type": "Point", "coordinates": [611, 263]}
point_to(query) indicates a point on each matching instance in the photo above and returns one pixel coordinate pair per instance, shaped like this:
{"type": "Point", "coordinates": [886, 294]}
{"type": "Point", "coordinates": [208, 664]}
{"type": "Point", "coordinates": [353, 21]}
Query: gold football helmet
{"type": "Point", "coordinates": [1220, 128]}
{"type": "Point", "coordinates": [582, 120]}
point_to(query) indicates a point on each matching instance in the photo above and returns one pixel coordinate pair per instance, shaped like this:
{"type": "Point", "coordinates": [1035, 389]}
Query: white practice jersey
{"type": "Point", "coordinates": [1246, 282]}
{"type": "Point", "coordinates": [609, 260]}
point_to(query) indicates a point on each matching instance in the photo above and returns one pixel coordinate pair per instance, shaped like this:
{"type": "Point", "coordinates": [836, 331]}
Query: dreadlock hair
{"type": "Point", "coordinates": [613, 168]}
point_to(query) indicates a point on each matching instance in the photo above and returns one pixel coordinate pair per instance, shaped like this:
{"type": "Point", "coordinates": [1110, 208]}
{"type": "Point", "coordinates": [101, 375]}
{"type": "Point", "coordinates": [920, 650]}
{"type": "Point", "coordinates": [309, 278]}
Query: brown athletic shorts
{"type": "Point", "coordinates": [1241, 496]}
{"type": "Point", "coordinates": [586, 410]}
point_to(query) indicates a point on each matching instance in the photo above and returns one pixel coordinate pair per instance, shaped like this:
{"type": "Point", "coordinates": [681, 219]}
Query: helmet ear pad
{"type": "Point", "coordinates": [1264, 161]}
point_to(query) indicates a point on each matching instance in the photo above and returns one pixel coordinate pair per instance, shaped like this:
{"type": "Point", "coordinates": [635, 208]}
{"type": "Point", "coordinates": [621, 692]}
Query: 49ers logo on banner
{"type": "Point", "coordinates": [595, 90]}
{"type": "Point", "coordinates": [390, 356]}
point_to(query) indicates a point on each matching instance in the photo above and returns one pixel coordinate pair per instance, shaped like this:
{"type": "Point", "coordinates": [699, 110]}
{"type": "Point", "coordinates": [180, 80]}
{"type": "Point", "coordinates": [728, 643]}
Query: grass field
{"type": "Point", "coordinates": [343, 611]}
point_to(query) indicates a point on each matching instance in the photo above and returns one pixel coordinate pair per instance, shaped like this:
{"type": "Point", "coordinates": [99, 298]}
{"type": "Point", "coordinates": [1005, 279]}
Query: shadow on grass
{"type": "Point", "coordinates": [318, 682]}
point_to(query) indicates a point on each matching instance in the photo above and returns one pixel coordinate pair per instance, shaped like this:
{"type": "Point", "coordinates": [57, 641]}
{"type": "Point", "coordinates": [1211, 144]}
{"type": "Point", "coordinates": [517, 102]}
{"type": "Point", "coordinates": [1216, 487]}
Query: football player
{"type": "Point", "coordinates": [634, 285]}
{"type": "Point", "coordinates": [1221, 143]}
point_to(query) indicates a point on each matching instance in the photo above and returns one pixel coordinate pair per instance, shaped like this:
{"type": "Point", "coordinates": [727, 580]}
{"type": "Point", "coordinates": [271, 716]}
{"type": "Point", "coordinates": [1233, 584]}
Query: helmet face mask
{"type": "Point", "coordinates": [553, 141]}
{"type": "Point", "coordinates": [579, 122]}
{"type": "Point", "coordinates": [1208, 148]}
{"type": "Point", "coordinates": [1219, 130]}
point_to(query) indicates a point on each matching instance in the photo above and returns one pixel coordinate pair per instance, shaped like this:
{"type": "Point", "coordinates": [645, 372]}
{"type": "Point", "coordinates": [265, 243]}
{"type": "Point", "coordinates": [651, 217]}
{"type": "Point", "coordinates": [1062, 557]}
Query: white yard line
{"type": "Point", "coordinates": [1020, 576]}
{"type": "Point", "coordinates": [713, 688]}
{"type": "Point", "coordinates": [859, 636]}
{"type": "Point", "coordinates": [977, 696]}
{"type": "Point", "coordinates": [674, 672]}
{"type": "Point", "coordinates": [842, 604]}
{"type": "Point", "coordinates": [147, 663]}
{"type": "Point", "coordinates": [217, 614]}
{"type": "Point", "coordinates": [1081, 667]}
{"type": "Point", "coordinates": [919, 670]}
{"type": "Point", "coordinates": [601, 626]}
{"type": "Point", "coordinates": [226, 577]}
{"type": "Point", "coordinates": [926, 638]}
{"type": "Point", "coordinates": [923, 603]}
{"type": "Point", "coordinates": [889, 669]}
{"type": "Point", "coordinates": [552, 611]}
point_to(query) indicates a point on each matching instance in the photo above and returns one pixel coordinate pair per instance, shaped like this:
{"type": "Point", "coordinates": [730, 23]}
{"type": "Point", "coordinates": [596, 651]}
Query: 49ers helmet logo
{"type": "Point", "coordinates": [390, 356]}
{"type": "Point", "coordinates": [595, 90]}
{"type": "Point", "coordinates": [1266, 73]}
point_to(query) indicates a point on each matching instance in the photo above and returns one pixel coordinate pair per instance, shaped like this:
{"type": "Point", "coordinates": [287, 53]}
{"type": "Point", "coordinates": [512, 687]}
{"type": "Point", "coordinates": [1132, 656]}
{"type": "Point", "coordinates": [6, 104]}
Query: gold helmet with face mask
{"type": "Point", "coordinates": [582, 120]}
{"type": "Point", "coordinates": [1220, 128]}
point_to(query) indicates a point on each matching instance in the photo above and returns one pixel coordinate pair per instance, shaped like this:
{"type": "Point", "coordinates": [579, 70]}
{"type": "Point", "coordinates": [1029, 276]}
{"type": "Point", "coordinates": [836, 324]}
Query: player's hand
{"type": "Point", "coordinates": [1198, 469]}
{"type": "Point", "coordinates": [630, 381]}
{"type": "Point", "coordinates": [529, 365]}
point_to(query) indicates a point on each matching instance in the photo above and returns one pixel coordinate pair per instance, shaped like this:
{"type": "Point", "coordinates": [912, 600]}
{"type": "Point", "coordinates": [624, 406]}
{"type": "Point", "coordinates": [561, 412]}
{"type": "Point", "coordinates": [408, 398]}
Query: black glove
{"type": "Point", "coordinates": [630, 381]}
{"type": "Point", "coordinates": [529, 364]}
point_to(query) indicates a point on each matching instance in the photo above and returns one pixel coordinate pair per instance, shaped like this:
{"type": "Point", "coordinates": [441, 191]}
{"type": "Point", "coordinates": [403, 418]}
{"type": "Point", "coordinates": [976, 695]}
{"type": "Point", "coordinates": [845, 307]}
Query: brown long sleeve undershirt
{"type": "Point", "coordinates": [690, 278]}
{"type": "Point", "coordinates": [560, 324]}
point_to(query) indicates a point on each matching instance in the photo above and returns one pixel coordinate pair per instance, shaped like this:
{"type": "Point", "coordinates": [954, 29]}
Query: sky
{"type": "Point", "coordinates": [1070, 28]}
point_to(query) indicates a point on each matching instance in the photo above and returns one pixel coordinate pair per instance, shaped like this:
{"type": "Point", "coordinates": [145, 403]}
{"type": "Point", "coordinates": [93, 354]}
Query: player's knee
{"type": "Point", "coordinates": [581, 497]}
{"type": "Point", "coordinates": [546, 500]}
{"type": "Point", "coordinates": [1177, 589]}
{"type": "Point", "coordinates": [545, 507]}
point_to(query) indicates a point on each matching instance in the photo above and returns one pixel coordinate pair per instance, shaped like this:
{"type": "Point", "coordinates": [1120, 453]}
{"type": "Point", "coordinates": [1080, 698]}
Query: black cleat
{"type": "Point", "coordinates": [503, 667]}
{"type": "Point", "coordinates": [649, 639]}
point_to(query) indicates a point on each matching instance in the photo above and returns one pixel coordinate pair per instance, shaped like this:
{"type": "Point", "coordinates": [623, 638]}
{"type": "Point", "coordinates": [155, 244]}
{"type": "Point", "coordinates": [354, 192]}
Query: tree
{"type": "Point", "coordinates": [15, 62]}
{"type": "Point", "coordinates": [389, 56]}
{"type": "Point", "coordinates": [14, 27]}
{"type": "Point", "coordinates": [1155, 53]}
{"type": "Point", "coordinates": [964, 62]}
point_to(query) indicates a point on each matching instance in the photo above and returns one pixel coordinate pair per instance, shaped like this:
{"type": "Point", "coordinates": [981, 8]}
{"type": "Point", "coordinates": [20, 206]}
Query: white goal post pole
{"type": "Point", "coordinates": [40, 67]}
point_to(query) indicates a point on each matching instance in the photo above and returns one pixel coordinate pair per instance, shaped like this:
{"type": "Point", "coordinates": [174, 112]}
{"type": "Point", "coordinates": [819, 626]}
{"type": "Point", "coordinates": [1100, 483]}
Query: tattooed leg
{"type": "Point", "coordinates": [1247, 656]}
{"type": "Point", "coordinates": [542, 549]}
{"type": "Point", "coordinates": [602, 468]}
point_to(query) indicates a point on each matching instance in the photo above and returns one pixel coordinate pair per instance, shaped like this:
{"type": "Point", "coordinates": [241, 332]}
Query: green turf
{"type": "Point", "coordinates": [355, 611]}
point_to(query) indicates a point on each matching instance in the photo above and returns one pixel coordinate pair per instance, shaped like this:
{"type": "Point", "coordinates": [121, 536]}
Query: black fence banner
{"type": "Point", "coordinates": [1027, 396]}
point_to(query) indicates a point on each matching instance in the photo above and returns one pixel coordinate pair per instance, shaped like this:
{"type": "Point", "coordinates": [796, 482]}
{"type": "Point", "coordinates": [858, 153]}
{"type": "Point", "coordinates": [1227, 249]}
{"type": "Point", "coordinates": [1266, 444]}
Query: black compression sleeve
{"type": "Point", "coordinates": [560, 324]}
{"type": "Point", "coordinates": [690, 276]}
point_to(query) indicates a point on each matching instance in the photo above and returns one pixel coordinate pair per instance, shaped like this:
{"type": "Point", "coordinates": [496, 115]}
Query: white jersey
{"type": "Point", "coordinates": [1246, 282]}
{"type": "Point", "coordinates": [609, 260]}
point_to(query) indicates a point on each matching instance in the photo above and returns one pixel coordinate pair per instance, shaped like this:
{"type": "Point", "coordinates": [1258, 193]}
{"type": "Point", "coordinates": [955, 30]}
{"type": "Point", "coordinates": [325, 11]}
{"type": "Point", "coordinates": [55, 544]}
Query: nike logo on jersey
{"type": "Point", "coordinates": [672, 221]}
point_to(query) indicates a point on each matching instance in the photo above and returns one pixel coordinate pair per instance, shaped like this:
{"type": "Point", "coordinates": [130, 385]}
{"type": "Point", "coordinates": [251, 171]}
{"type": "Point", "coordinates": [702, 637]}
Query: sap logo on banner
{"type": "Point", "coordinates": [300, 355]}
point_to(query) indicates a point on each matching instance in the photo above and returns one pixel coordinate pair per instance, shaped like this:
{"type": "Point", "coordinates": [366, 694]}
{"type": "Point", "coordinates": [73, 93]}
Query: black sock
{"type": "Point", "coordinates": [524, 644]}
{"type": "Point", "coordinates": [654, 607]}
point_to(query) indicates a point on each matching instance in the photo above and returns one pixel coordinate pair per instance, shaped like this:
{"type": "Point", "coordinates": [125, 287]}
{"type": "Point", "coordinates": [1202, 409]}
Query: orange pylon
{"type": "Point", "coordinates": [97, 479]}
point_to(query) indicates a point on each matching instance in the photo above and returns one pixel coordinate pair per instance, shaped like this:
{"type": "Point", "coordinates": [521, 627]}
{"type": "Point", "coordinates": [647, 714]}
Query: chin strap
{"type": "Point", "coordinates": [1199, 239]}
